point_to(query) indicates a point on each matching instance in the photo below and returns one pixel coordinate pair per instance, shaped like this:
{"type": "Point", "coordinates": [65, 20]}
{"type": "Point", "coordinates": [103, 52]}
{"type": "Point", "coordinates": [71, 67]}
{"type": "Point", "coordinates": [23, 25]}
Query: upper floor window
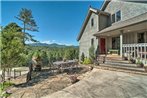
{"type": "Point", "coordinates": [118, 16]}
{"type": "Point", "coordinates": [92, 22]}
{"type": "Point", "coordinates": [113, 18]}
{"type": "Point", "coordinates": [92, 42]}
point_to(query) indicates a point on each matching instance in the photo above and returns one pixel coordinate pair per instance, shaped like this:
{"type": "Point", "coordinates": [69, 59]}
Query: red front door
{"type": "Point", "coordinates": [102, 45]}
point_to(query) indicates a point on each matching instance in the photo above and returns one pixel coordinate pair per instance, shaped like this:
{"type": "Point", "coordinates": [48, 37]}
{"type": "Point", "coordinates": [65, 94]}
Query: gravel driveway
{"type": "Point", "coordinates": [106, 84]}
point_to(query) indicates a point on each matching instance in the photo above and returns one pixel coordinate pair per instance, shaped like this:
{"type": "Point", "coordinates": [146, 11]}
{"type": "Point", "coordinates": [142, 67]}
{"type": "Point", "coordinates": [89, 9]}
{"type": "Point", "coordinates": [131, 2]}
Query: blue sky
{"type": "Point", "coordinates": [58, 21]}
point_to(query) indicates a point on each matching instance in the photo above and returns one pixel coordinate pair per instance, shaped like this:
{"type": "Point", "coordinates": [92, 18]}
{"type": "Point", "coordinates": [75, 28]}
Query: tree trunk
{"type": "Point", "coordinates": [29, 73]}
{"type": "Point", "coordinates": [24, 28]}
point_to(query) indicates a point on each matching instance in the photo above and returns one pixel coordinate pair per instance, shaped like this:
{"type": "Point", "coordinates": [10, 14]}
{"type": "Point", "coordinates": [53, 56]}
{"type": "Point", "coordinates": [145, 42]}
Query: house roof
{"type": "Point", "coordinates": [90, 11]}
{"type": "Point", "coordinates": [106, 2]}
{"type": "Point", "coordinates": [122, 24]}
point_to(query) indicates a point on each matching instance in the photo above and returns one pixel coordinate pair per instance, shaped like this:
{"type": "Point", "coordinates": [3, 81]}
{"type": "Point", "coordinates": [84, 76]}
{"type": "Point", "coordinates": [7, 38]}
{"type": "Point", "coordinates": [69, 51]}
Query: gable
{"type": "Point", "coordinates": [128, 9]}
{"type": "Point", "coordinates": [90, 12]}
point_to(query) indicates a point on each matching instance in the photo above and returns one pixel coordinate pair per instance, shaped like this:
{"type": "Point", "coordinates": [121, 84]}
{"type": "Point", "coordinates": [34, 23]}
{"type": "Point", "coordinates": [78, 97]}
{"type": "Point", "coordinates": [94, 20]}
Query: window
{"type": "Point", "coordinates": [113, 18]}
{"type": "Point", "coordinates": [118, 16]}
{"type": "Point", "coordinates": [92, 22]}
{"type": "Point", "coordinates": [141, 38]}
{"type": "Point", "coordinates": [115, 43]}
{"type": "Point", "coordinates": [92, 42]}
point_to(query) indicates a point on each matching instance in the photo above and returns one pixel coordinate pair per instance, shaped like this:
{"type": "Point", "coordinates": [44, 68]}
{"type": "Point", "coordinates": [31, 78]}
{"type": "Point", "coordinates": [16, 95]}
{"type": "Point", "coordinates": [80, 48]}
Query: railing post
{"type": "Point", "coordinates": [134, 51]}
{"type": "Point", "coordinates": [145, 50]}
{"type": "Point", "coordinates": [121, 42]}
{"type": "Point", "coordinates": [141, 51]}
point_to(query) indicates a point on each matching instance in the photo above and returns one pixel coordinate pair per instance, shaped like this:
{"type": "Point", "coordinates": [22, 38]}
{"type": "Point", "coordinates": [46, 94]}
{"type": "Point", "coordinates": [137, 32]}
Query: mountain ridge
{"type": "Point", "coordinates": [51, 45]}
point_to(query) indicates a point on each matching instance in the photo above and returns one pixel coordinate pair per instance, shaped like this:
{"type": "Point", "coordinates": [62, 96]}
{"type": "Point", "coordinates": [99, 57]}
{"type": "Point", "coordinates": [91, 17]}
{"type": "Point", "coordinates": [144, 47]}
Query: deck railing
{"type": "Point", "coordinates": [136, 50]}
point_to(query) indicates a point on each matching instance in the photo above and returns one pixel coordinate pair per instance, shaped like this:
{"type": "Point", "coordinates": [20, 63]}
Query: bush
{"type": "Point", "coordinates": [82, 57]}
{"type": "Point", "coordinates": [92, 54]}
{"type": "Point", "coordinates": [139, 62]}
{"type": "Point", "coordinates": [3, 87]}
{"type": "Point", "coordinates": [87, 61]}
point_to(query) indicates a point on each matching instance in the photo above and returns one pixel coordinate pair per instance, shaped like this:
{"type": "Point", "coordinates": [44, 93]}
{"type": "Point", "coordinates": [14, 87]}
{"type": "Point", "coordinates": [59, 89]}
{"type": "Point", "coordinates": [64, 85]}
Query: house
{"type": "Point", "coordinates": [119, 27]}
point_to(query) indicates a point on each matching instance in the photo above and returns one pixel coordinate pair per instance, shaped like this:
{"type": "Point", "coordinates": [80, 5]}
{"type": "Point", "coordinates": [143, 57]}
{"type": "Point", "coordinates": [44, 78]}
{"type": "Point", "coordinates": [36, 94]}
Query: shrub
{"type": "Point", "coordinates": [139, 62]}
{"type": "Point", "coordinates": [3, 87]}
{"type": "Point", "coordinates": [87, 61]}
{"type": "Point", "coordinates": [82, 57]}
{"type": "Point", "coordinates": [92, 54]}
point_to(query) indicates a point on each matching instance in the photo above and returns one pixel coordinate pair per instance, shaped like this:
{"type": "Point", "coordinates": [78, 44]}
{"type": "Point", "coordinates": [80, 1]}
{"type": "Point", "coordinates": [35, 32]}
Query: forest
{"type": "Point", "coordinates": [50, 54]}
{"type": "Point", "coordinates": [15, 51]}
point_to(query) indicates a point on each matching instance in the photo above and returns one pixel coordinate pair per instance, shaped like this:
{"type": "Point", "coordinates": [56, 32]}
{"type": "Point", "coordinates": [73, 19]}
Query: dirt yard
{"type": "Point", "coordinates": [106, 84]}
{"type": "Point", "coordinates": [44, 83]}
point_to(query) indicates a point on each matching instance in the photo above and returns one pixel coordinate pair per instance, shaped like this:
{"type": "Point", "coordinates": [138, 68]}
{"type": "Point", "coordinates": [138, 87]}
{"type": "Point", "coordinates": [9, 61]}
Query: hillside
{"type": "Point", "coordinates": [50, 45]}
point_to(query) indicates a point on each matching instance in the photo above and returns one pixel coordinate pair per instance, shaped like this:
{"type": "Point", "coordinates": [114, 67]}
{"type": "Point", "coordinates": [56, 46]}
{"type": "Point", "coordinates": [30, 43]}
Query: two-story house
{"type": "Point", "coordinates": [118, 27]}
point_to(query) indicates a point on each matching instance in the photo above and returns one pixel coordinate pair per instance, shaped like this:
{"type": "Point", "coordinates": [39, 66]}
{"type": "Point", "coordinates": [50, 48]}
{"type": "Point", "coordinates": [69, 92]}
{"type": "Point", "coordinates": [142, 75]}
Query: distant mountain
{"type": "Point", "coordinates": [50, 45]}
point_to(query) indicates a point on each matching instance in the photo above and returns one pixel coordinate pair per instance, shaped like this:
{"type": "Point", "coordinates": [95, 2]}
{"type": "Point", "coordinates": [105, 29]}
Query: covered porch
{"type": "Point", "coordinates": [126, 38]}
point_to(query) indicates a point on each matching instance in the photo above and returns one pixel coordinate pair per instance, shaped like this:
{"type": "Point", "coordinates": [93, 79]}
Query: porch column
{"type": "Point", "coordinates": [121, 43]}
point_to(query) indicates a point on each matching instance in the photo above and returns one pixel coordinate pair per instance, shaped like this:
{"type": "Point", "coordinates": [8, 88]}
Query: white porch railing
{"type": "Point", "coordinates": [139, 49]}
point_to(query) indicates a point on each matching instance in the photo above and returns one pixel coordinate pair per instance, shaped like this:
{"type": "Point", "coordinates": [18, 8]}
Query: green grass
{"type": "Point", "coordinates": [3, 87]}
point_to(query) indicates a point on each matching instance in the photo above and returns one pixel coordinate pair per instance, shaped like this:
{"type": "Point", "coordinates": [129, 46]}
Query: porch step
{"type": "Point", "coordinates": [113, 57]}
{"type": "Point", "coordinates": [128, 69]}
{"type": "Point", "coordinates": [121, 64]}
{"type": "Point", "coordinates": [115, 63]}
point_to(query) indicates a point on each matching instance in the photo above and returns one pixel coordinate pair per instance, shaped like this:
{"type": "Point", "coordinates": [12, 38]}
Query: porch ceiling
{"type": "Point", "coordinates": [135, 24]}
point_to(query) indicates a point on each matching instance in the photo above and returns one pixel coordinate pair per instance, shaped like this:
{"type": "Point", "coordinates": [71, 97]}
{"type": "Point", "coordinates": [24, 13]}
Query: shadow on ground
{"type": "Point", "coordinates": [37, 77]}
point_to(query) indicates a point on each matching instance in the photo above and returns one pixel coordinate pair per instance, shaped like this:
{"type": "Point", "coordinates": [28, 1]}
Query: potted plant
{"type": "Point", "coordinates": [132, 61]}
{"type": "Point", "coordinates": [139, 63]}
{"type": "Point", "coordinates": [125, 56]}
{"type": "Point", "coordinates": [145, 66]}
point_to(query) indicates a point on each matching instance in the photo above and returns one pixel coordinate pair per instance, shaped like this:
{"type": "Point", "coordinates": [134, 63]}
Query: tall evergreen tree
{"type": "Point", "coordinates": [25, 15]}
{"type": "Point", "coordinates": [11, 46]}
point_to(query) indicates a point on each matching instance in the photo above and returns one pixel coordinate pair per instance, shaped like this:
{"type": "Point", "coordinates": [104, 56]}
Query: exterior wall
{"type": "Point", "coordinates": [103, 21]}
{"type": "Point", "coordinates": [128, 9]}
{"type": "Point", "coordinates": [109, 43]}
{"type": "Point", "coordinates": [85, 41]}
{"type": "Point", "coordinates": [131, 38]}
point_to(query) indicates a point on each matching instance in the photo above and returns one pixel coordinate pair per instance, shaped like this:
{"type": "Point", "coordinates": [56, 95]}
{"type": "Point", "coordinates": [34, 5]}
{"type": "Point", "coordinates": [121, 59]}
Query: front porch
{"type": "Point", "coordinates": [126, 38]}
{"type": "Point", "coordinates": [125, 44]}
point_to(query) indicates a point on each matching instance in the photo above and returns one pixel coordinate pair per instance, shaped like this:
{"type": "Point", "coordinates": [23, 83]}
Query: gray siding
{"type": "Point", "coordinates": [103, 21]}
{"type": "Point", "coordinates": [128, 9]}
{"type": "Point", "coordinates": [85, 41]}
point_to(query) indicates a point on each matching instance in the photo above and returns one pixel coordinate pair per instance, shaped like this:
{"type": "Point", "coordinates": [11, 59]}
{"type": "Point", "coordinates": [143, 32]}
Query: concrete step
{"type": "Point", "coordinates": [133, 70]}
{"type": "Point", "coordinates": [121, 64]}
{"type": "Point", "coordinates": [114, 58]}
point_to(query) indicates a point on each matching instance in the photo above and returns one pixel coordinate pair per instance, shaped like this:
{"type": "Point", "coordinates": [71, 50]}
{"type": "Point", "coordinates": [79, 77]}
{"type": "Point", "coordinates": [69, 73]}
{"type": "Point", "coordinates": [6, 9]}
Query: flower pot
{"type": "Point", "coordinates": [133, 61]}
